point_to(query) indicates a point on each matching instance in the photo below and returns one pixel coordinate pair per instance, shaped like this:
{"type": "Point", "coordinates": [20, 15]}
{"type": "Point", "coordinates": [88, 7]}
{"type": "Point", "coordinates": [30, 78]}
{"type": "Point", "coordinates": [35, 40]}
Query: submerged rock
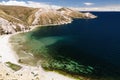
{"type": "Point", "coordinates": [67, 65]}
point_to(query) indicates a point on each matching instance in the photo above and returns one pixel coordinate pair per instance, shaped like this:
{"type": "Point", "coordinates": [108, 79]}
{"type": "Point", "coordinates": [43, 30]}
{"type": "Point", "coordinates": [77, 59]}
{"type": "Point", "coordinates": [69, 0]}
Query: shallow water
{"type": "Point", "coordinates": [93, 42]}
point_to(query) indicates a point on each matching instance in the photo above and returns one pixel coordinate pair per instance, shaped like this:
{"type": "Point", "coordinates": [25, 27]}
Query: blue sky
{"type": "Point", "coordinates": [80, 3]}
{"type": "Point", "coordinates": [75, 4]}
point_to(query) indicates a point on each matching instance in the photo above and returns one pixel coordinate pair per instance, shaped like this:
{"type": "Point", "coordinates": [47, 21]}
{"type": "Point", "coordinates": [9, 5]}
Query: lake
{"type": "Point", "coordinates": [90, 42]}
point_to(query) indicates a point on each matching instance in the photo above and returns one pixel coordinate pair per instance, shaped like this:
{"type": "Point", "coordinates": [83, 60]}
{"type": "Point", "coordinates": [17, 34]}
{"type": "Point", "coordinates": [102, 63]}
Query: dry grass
{"type": "Point", "coordinates": [17, 14]}
{"type": "Point", "coordinates": [72, 13]}
{"type": "Point", "coordinates": [26, 15]}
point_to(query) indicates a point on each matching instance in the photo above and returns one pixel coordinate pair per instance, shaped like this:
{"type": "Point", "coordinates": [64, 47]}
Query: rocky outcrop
{"type": "Point", "coordinates": [7, 27]}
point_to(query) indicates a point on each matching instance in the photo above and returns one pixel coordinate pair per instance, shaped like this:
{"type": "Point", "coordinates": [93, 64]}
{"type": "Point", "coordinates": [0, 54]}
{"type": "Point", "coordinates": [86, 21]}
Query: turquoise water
{"type": "Point", "coordinates": [87, 47]}
{"type": "Point", "coordinates": [45, 53]}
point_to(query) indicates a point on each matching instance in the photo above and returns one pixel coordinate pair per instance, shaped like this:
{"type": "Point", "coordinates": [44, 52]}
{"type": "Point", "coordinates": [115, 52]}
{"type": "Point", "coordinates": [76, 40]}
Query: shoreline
{"type": "Point", "coordinates": [8, 55]}
{"type": "Point", "coordinates": [30, 73]}
{"type": "Point", "coordinates": [35, 73]}
{"type": "Point", "coordinates": [6, 50]}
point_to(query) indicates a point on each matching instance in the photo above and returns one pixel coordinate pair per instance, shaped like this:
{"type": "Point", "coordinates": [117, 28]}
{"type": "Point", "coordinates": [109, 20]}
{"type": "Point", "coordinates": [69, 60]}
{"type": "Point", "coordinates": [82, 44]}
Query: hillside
{"type": "Point", "coordinates": [18, 18]}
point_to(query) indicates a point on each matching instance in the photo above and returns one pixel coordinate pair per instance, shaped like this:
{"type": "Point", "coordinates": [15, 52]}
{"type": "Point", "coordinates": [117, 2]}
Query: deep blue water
{"type": "Point", "coordinates": [89, 41]}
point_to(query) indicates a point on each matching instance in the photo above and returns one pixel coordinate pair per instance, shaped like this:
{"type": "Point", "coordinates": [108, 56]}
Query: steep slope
{"type": "Point", "coordinates": [46, 17]}
{"type": "Point", "coordinates": [7, 27]}
{"type": "Point", "coordinates": [13, 19]}
{"type": "Point", "coordinates": [18, 12]}
{"type": "Point", "coordinates": [18, 18]}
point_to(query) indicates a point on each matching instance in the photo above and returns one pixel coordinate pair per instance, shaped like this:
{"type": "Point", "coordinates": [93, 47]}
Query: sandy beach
{"type": "Point", "coordinates": [6, 53]}
{"type": "Point", "coordinates": [26, 72]}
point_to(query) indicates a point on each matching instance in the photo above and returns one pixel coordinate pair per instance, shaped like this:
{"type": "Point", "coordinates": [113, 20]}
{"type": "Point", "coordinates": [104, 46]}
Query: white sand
{"type": "Point", "coordinates": [6, 53]}
{"type": "Point", "coordinates": [27, 72]}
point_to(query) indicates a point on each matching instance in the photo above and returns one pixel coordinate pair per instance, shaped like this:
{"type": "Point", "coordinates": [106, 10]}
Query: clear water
{"type": "Point", "coordinates": [93, 42]}
{"type": "Point", "coordinates": [98, 37]}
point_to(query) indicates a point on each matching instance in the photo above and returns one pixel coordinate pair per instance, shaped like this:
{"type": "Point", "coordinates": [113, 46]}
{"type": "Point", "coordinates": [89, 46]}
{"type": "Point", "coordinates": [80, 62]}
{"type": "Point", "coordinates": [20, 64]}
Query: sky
{"type": "Point", "coordinates": [81, 3]}
{"type": "Point", "coordinates": [93, 4]}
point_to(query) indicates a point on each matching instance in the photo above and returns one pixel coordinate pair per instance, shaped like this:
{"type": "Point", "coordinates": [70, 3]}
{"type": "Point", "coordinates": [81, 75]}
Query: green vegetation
{"type": "Point", "coordinates": [14, 67]}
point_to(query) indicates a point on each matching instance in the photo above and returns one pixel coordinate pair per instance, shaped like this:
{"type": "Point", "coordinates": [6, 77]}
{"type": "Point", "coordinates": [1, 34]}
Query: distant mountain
{"type": "Point", "coordinates": [18, 18]}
